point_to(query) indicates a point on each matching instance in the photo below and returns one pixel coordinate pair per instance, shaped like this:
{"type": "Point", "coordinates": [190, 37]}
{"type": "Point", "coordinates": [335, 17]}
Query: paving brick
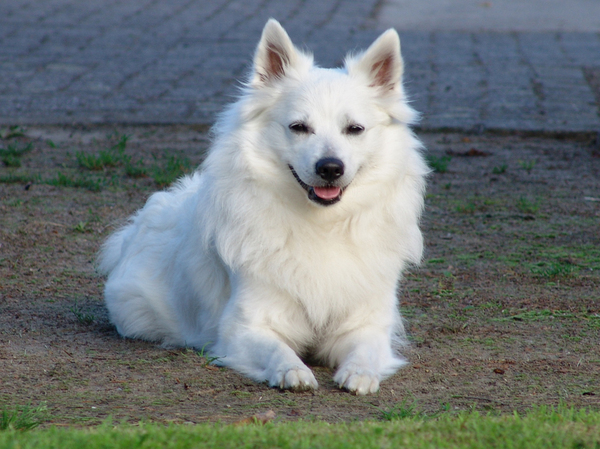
{"type": "Point", "coordinates": [148, 61]}
{"type": "Point", "coordinates": [582, 48]}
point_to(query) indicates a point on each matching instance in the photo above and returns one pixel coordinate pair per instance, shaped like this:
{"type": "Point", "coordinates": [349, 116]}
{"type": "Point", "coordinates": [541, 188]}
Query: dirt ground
{"type": "Point", "coordinates": [503, 314]}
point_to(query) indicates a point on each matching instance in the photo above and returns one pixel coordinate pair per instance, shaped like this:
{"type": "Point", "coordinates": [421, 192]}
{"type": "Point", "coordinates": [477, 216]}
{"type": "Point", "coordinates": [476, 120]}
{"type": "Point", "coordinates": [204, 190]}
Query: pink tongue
{"type": "Point", "coordinates": [327, 193]}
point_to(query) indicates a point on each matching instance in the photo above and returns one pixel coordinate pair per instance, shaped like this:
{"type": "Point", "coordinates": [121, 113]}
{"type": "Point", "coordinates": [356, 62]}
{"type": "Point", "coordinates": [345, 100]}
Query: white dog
{"type": "Point", "coordinates": [291, 238]}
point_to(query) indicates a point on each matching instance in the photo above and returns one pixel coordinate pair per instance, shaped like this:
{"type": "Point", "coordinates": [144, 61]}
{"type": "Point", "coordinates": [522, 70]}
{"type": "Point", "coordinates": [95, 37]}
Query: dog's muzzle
{"type": "Point", "coordinates": [327, 194]}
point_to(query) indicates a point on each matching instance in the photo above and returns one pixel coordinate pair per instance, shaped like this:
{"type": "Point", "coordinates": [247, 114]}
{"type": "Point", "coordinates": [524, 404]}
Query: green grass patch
{"type": "Point", "coordinates": [466, 208]}
{"type": "Point", "coordinates": [135, 169]}
{"type": "Point", "coordinates": [163, 172]}
{"type": "Point", "coordinates": [99, 161]}
{"type": "Point", "coordinates": [112, 157]}
{"type": "Point", "coordinates": [62, 180]}
{"type": "Point", "coordinates": [11, 155]}
{"type": "Point", "coordinates": [109, 166]}
{"type": "Point", "coordinates": [15, 178]}
{"type": "Point", "coordinates": [468, 259]}
{"type": "Point", "coordinates": [22, 418]}
{"type": "Point", "coordinates": [500, 169]}
{"type": "Point", "coordinates": [540, 259]}
{"type": "Point", "coordinates": [405, 410]}
{"type": "Point", "coordinates": [527, 206]}
{"type": "Point", "coordinates": [476, 204]}
{"type": "Point", "coordinates": [547, 260]}
{"type": "Point", "coordinates": [527, 165]}
{"type": "Point", "coordinates": [438, 164]}
{"type": "Point", "coordinates": [544, 315]}
{"type": "Point", "coordinates": [554, 269]}
{"type": "Point", "coordinates": [82, 317]}
{"type": "Point", "coordinates": [81, 227]}
{"type": "Point", "coordinates": [171, 169]}
{"type": "Point", "coordinates": [11, 132]}
{"type": "Point", "coordinates": [539, 429]}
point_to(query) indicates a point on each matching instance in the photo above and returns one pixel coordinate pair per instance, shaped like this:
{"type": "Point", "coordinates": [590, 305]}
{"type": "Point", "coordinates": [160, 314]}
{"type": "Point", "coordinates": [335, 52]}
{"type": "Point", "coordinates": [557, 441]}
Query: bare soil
{"type": "Point", "coordinates": [503, 314]}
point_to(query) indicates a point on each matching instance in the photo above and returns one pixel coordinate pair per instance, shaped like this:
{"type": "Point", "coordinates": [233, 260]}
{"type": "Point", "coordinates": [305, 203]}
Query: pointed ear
{"type": "Point", "coordinates": [381, 62]}
{"type": "Point", "coordinates": [274, 55]}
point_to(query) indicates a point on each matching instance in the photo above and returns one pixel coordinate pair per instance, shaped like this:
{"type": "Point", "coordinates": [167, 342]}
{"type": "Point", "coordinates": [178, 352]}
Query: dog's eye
{"type": "Point", "coordinates": [299, 128]}
{"type": "Point", "coordinates": [354, 130]}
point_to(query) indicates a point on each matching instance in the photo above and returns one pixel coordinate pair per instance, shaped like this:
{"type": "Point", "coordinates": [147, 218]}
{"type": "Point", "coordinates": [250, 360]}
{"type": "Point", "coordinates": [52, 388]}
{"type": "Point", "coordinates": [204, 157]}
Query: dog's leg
{"type": "Point", "coordinates": [260, 354]}
{"type": "Point", "coordinates": [251, 338]}
{"type": "Point", "coordinates": [364, 357]}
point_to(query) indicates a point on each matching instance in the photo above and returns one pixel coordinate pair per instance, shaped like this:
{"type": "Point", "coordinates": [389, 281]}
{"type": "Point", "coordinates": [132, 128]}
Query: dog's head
{"type": "Point", "coordinates": [328, 125]}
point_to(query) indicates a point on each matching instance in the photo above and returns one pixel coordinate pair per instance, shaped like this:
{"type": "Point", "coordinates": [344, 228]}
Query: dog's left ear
{"type": "Point", "coordinates": [381, 62]}
{"type": "Point", "coordinates": [274, 55]}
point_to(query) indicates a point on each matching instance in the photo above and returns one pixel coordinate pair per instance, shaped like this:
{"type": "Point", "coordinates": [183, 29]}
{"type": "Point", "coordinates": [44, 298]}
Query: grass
{"type": "Point", "coordinates": [81, 227]}
{"type": "Point", "coordinates": [544, 315]}
{"type": "Point", "coordinates": [554, 269]}
{"type": "Point", "coordinates": [110, 166]}
{"type": "Point", "coordinates": [438, 164]}
{"type": "Point", "coordinates": [527, 165]}
{"type": "Point", "coordinates": [509, 273]}
{"type": "Point", "coordinates": [467, 208]}
{"type": "Point", "coordinates": [15, 178]}
{"type": "Point", "coordinates": [541, 428]}
{"type": "Point", "coordinates": [173, 168]}
{"type": "Point", "coordinates": [22, 418]}
{"type": "Point", "coordinates": [163, 172]}
{"type": "Point", "coordinates": [11, 155]}
{"type": "Point", "coordinates": [112, 157]}
{"type": "Point", "coordinates": [472, 204]}
{"type": "Point", "coordinates": [99, 161]}
{"type": "Point", "coordinates": [206, 356]}
{"type": "Point", "coordinates": [527, 206]}
{"type": "Point", "coordinates": [500, 169]}
{"type": "Point", "coordinates": [62, 180]}
{"type": "Point", "coordinates": [404, 410]}
{"type": "Point", "coordinates": [135, 169]}
{"type": "Point", "coordinates": [82, 317]}
{"type": "Point", "coordinates": [12, 132]}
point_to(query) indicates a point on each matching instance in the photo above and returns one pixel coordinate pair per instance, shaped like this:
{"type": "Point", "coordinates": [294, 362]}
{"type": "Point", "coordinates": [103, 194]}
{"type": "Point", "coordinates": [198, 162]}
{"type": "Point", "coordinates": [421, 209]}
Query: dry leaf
{"type": "Point", "coordinates": [258, 418]}
{"type": "Point", "coordinates": [473, 152]}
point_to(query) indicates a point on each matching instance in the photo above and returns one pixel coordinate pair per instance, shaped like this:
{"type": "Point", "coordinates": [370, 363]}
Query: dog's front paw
{"type": "Point", "coordinates": [295, 378]}
{"type": "Point", "coordinates": [357, 379]}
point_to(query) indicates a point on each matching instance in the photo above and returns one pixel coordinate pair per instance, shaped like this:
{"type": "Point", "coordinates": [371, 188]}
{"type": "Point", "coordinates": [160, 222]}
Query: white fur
{"type": "Point", "coordinates": [236, 257]}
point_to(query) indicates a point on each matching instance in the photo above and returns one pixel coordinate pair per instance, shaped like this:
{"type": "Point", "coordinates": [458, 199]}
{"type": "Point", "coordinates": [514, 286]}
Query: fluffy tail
{"type": "Point", "coordinates": [111, 252]}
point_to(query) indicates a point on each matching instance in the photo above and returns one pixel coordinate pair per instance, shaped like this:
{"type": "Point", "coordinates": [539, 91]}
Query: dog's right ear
{"type": "Point", "coordinates": [274, 55]}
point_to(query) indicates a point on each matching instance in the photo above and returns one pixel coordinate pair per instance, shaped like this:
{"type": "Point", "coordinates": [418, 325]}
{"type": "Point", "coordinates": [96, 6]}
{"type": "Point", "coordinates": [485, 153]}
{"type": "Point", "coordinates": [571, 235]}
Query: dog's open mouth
{"type": "Point", "coordinates": [324, 195]}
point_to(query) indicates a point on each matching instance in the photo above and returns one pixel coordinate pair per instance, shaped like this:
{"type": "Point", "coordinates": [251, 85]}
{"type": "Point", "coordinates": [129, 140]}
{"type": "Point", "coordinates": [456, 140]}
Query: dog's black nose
{"type": "Point", "coordinates": [329, 168]}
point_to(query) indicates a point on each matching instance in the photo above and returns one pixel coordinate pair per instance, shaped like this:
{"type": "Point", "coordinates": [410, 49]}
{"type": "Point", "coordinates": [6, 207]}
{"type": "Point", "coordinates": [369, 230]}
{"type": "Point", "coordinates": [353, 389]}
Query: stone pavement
{"type": "Point", "coordinates": [529, 65]}
{"type": "Point", "coordinates": [177, 61]}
